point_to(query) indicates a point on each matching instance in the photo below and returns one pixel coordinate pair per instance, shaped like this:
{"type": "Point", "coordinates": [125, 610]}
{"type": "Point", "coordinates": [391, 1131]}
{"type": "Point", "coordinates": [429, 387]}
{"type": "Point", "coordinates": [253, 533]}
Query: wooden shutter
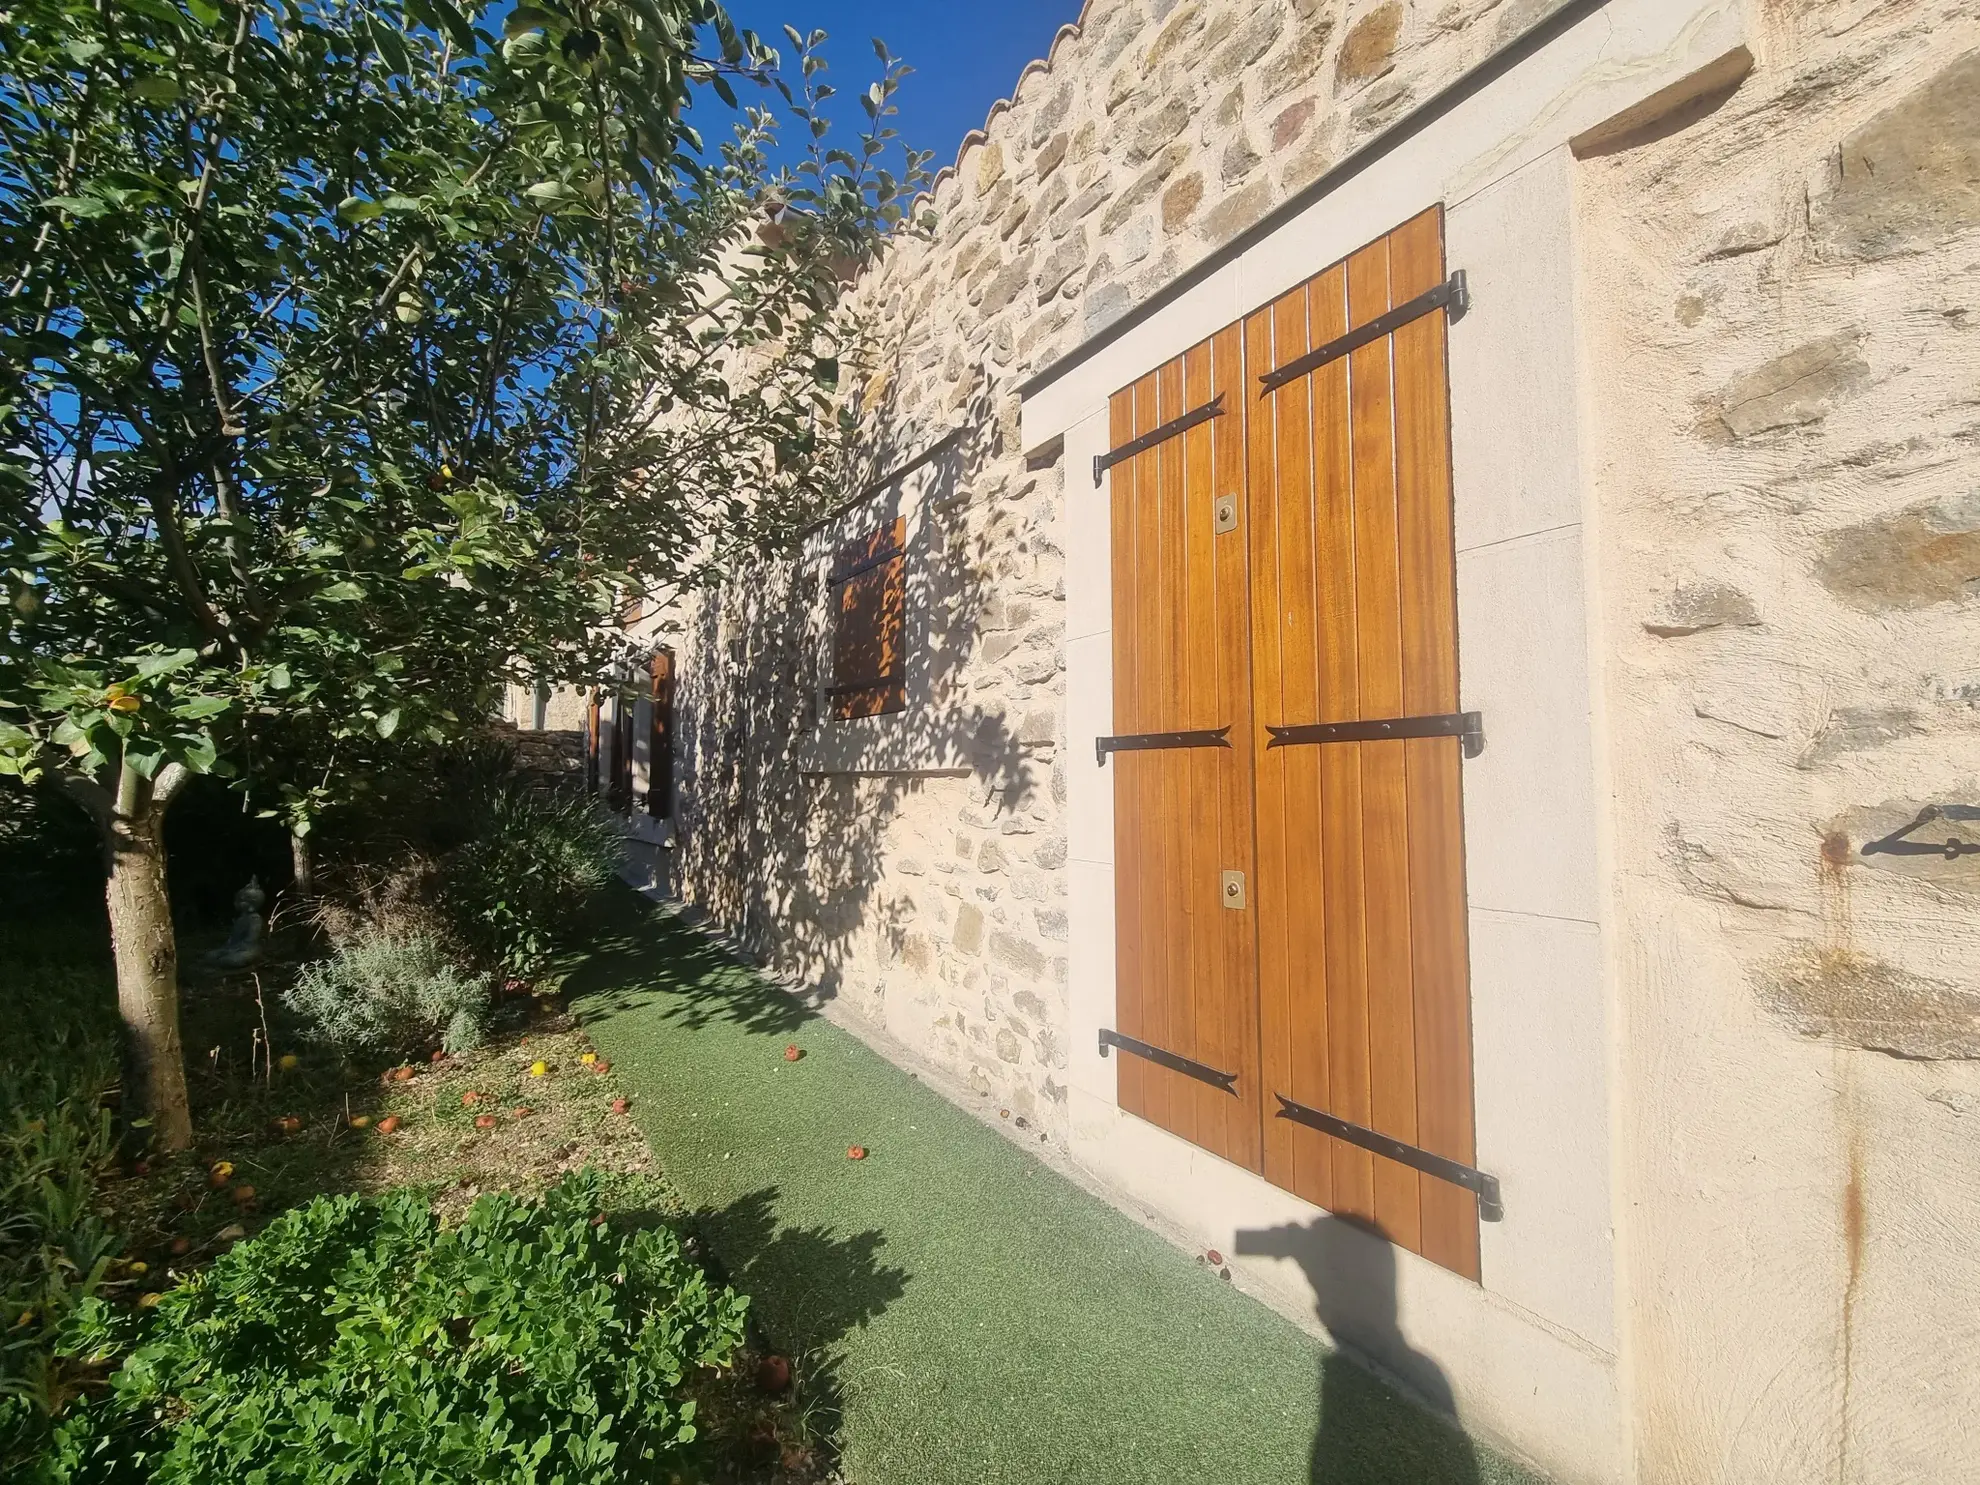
{"type": "Point", "coordinates": [1184, 967]}
{"type": "Point", "coordinates": [660, 737]}
{"type": "Point", "coordinates": [869, 585]}
{"type": "Point", "coordinates": [1344, 987]}
{"type": "Point", "coordinates": [1364, 986]}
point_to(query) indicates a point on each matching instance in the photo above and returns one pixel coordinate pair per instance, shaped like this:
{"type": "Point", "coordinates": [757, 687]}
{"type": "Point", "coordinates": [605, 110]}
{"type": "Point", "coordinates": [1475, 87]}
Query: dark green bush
{"type": "Point", "coordinates": [533, 862]}
{"type": "Point", "coordinates": [57, 1143]}
{"type": "Point", "coordinates": [358, 1341]}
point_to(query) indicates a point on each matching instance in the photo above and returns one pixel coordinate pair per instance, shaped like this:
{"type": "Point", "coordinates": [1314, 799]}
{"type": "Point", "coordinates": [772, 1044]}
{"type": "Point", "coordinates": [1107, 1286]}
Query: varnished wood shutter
{"type": "Point", "coordinates": [868, 582]}
{"type": "Point", "coordinates": [1363, 963]}
{"type": "Point", "coordinates": [1184, 975]}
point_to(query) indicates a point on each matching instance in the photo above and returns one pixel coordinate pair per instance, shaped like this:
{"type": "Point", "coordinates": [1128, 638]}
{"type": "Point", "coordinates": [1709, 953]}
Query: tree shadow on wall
{"type": "Point", "coordinates": [1370, 1434]}
{"type": "Point", "coordinates": [803, 865]}
{"type": "Point", "coordinates": [809, 1287]}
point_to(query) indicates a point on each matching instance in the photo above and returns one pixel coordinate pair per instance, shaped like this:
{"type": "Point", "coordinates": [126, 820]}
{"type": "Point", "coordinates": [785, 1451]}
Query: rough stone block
{"type": "Point", "coordinates": [968, 936]}
{"type": "Point", "coordinates": [1180, 201]}
{"type": "Point", "coordinates": [1909, 559]}
{"type": "Point", "coordinates": [1911, 176]}
{"type": "Point", "coordinates": [1020, 954]}
{"type": "Point", "coordinates": [1797, 388]}
{"type": "Point", "coordinates": [1369, 48]}
{"type": "Point", "coordinates": [1696, 607]}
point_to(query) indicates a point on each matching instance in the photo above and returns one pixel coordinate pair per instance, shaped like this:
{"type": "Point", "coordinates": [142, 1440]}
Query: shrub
{"type": "Point", "coordinates": [390, 991]}
{"type": "Point", "coordinates": [57, 1142]}
{"type": "Point", "coordinates": [357, 1340]}
{"type": "Point", "coordinates": [534, 861]}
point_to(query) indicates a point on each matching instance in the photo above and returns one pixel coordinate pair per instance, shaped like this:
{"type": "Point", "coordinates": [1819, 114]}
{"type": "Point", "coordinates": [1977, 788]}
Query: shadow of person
{"type": "Point", "coordinates": [1369, 1433]}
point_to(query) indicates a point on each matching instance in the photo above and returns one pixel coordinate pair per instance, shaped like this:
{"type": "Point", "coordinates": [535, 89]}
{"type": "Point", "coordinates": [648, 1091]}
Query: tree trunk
{"type": "Point", "coordinates": [301, 869]}
{"type": "Point", "coordinates": [146, 950]}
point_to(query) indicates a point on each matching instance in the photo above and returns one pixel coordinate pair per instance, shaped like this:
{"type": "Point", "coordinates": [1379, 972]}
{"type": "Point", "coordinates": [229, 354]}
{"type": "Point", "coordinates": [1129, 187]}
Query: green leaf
{"type": "Point", "coordinates": [157, 89]}
{"type": "Point", "coordinates": [150, 666]}
{"type": "Point", "coordinates": [344, 592]}
{"type": "Point", "coordinates": [388, 723]}
{"type": "Point", "coordinates": [527, 18]}
{"type": "Point", "coordinates": [79, 206]}
{"type": "Point", "coordinates": [353, 209]}
{"type": "Point", "coordinates": [201, 707]}
{"type": "Point", "coordinates": [206, 14]}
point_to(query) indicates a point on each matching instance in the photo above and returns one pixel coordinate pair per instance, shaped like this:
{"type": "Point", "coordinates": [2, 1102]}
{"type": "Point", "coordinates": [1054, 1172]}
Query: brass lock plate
{"type": "Point", "coordinates": [1224, 514]}
{"type": "Point", "coordinates": [1233, 890]}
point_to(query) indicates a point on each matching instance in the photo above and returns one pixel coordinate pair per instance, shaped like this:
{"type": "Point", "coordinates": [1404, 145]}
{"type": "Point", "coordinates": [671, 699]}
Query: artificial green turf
{"type": "Point", "coordinates": [971, 1315]}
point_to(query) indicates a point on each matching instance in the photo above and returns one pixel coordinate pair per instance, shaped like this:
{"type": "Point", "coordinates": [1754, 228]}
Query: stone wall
{"type": "Point", "coordinates": [932, 900]}
{"type": "Point", "coordinates": [1782, 302]}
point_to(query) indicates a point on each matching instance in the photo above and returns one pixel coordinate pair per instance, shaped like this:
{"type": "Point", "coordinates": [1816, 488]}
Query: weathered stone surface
{"type": "Point", "coordinates": [1050, 156]}
{"type": "Point", "coordinates": [1180, 201]}
{"type": "Point", "coordinates": [1292, 122]}
{"type": "Point", "coordinates": [1369, 48]}
{"type": "Point", "coordinates": [1179, 28]}
{"type": "Point", "coordinates": [1696, 607]}
{"type": "Point", "coordinates": [1066, 260]}
{"type": "Point", "coordinates": [1157, 130]}
{"type": "Point", "coordinates": [1018, 953]}
{"type": "Point", "coordinates": [1237, 211]}
{"type": "Point", "coordinates": [1051, 924]}
{"type": "Point", "coordinates": [1912, 558]}
{"type": "Point", "coordinates": [1250, 41]}
{"type": "Point", "coordinates": [989, 166]}
{"type": "Point", "coordinates": [1298, 63]}
{"type": "Point", "coordinates": [968, 936]}
{"type": "Point", "coordinates": [1911, 176]}
{"type": "Point", "coordinates": [1858, 729]}
{"type": "Point", "coordinates": [1840, 995]}
{"type": "Point", "coordinates": [1140, 189]}
{"type": "Point", "coordinates": [1005, 287]}
{"type": "Point", "coordinates": [1799, 387]}
{"type": "Point", "coordinates": [1239, 158]}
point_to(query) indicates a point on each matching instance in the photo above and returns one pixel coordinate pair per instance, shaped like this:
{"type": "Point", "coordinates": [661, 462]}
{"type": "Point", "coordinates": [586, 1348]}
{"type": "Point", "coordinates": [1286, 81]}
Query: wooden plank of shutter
{"type": "Point", "coordinates": [1439, 949]}
{"type": "Point", "coordinates": [1384, 786]}
{"type": "Point", "coordinates": [660, 738]}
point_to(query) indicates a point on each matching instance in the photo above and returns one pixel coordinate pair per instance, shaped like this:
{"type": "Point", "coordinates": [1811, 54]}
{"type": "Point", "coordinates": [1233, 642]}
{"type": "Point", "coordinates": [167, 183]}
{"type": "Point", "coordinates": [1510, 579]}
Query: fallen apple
{"type": "Point", "coordinates": [539, 1068]}
{"type": "Point", "coordinates": [389, 1123]}
{"type": "Point", "coordinates": [138, 1266]}
{"type": "Point", "coordinates": [618, 1105]}
{"type": "Point", "coordinates": [773, 1373]}
{"type": "Point", "coordinates": [219, 1173]}
{"type": "Point", "coordinates": [1216, 1258]}
{"type": "Point", "coordinates": [524, 1112]}
{"type": "Point", "coordinates": [588, 1058]}
{"type": "Point", "coordinates": [470, 1098]}
{"type": "Point", "coordinates": [484, 1121]}
{"type": "Point", "coordinates": [288, 1062]}
{"type": "Point", "coordinates": [856, 1152]}
{"type": "Point", "coordinates": [360, 1121]}
{"type": "Point", "coordinates": [147, 1300]}
{"type": "Point", "coordinates": [601, 1066]}
{"type": "Point", "coordinates": [793, 1052]}
{"type": "Point", "coordinates": [181, 1246]}
{"type": "Point", "coordinates": [439, 1055]}
{"type": "Point", "coordinates": [288, 1124]}
{"type": "Point", "coordinates": [233, 1232]}
{"type": "Point", "coordinates": [243, 1194]}
{"type": "Point", "coordinates": [402, 1074]}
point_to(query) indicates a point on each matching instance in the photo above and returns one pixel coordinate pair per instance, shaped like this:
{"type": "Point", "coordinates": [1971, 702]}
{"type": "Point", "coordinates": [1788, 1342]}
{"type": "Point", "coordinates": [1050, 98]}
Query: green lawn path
{"type": "Point", "coordinates": [976, 1318]}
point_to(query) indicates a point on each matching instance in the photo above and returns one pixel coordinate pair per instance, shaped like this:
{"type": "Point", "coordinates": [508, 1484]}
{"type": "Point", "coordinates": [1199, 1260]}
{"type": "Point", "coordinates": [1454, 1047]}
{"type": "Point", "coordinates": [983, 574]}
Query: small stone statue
{"type": "Point", "coordinates": [244, 946]}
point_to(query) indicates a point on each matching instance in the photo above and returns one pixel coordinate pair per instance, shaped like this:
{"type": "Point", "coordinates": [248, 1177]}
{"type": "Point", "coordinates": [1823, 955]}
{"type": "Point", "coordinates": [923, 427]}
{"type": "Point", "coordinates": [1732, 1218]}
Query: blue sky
{"type": "Point", "coordinates": [965, 56]}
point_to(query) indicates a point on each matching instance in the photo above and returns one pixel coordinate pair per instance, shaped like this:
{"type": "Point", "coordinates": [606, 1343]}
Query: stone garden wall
{"type": "Point", "coordinates": [932, 903]}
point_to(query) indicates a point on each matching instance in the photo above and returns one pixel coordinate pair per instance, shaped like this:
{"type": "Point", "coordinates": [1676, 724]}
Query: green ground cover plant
{"type": "Point", "coordinates": [361, 1340]}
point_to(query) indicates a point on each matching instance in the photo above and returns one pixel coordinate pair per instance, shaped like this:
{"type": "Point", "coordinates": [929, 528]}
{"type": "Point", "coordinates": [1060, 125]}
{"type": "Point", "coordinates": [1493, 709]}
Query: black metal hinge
{"type": "Point", "coordinates": [1188, 1067]}
{"type": "Point", "coordinates": [1149, 742]}
{"type": "Point", "coordinates": [1469, 727]}
{"type": "Point", "coordinates": [1452, 294]}
{"type": "Point", "coordinates": [1490, 1208]}
{"type": "Point", "coordinates": [1214, 408]}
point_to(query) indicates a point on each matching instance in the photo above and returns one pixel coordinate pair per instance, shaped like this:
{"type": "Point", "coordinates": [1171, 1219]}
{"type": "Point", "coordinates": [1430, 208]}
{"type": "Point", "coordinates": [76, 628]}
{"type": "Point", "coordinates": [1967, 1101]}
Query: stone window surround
{"type": "Point", "coordinates": [1500, 160]}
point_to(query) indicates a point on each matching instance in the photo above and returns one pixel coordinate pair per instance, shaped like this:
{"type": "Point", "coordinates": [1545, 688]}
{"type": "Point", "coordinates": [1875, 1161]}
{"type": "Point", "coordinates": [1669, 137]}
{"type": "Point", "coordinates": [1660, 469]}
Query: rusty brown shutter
{"type": "Point", "coordinates": [1345, 986]}
{"type": "Point", "coordinates": [869, 586]}
{"type": "Point", "coordinates": [1182, 816]}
